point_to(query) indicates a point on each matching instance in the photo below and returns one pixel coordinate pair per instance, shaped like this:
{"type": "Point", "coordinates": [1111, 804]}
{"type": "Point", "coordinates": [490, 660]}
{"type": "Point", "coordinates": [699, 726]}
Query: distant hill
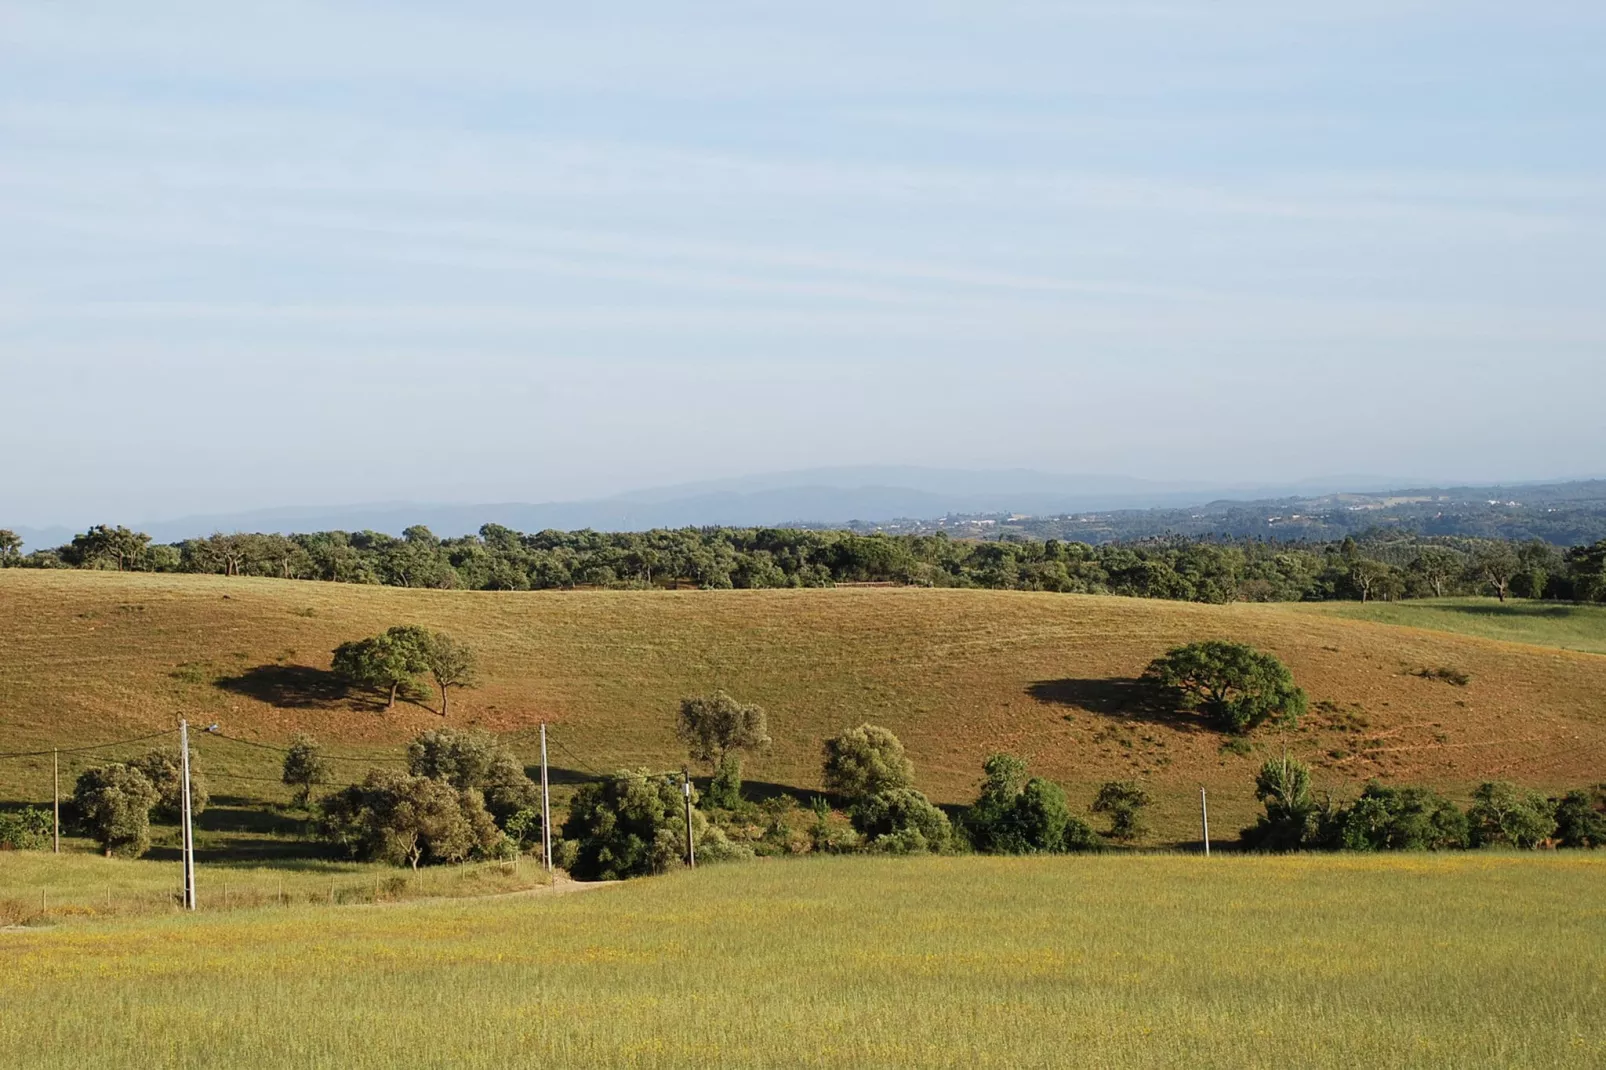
{"type": "Point", "coordinates": [821, 497]}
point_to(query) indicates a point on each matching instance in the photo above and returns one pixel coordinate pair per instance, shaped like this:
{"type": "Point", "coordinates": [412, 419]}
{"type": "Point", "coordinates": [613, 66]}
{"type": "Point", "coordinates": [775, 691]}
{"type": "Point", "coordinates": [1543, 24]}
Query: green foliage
{"type": "Point", "coordinates": [410, 820]}
{"type": "Point", "coordinates": [390, 662]}
{"type": "Point", "coordinates": [10, 548]}
{"type": "Point", "coordinates": [105, 547]}
{"type": "Point", "coordinates": [1293, 818]}
{"type": "Point", "coordinates": [633, 824]}
{"type": "Point", "coordinates": [725, 789]}
{"type": "Point", "coordinates": [114, 803]}
{"type": "Point", "coordinates": [1124, 801]}
{"type": "Point", "coordinates": [27, 829]}
{"type": "Point", "coordinates": [1503, 814]}
{"type": "Point", "coordinates": [474, 759]}
{"type": "Point", "coordinates": [163, 769]}
{"type": "Point", "coordinates": [865, 761]}
{"type": "Point", "coordinates": [901, 821]}
{"type": "Point", "coordinates": [1016, 815]}
{"type": "Point", "coordinates": [304, 767]}
{"type": "Point", "coordinates": [449, 662]}
{"type": "Point", "coordinates": [1399, 819]}
{"type": "Point", "coordinates": [712, 726]}
{"type": "Point", "coordinates": [1236, 686]}
{"type": "Point", "coordinates": [1581, 818]}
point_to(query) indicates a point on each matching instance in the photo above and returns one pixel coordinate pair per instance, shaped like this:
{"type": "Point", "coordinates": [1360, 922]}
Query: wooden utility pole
{"type": "Point", "coordinates": [546, 808]}
{"type": "Point", "coordinates": [55, 769]}
{"type": "Point", "coordinates": [1204, 820]}
{"type": "Point", "coordinates": [187, 830]}
{"type": "Point", "coordinates": [691, 850]}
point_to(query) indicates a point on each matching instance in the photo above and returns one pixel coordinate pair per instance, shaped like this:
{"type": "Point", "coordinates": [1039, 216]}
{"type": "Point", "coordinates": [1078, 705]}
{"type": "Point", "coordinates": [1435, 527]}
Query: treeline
{"type": "Point", "coordinates": [1378, 565]}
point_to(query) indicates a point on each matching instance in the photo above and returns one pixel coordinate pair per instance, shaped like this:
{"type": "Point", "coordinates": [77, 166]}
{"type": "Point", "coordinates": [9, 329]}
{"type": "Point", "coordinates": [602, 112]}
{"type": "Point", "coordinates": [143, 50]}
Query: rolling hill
{"type": "Point", "coordinates": [91, 656]}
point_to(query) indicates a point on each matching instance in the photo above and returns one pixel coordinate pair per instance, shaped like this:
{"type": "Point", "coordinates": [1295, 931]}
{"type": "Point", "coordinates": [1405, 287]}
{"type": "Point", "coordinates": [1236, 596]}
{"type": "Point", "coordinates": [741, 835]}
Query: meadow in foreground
{"type": "Point", "coordinates": [1454, 960]}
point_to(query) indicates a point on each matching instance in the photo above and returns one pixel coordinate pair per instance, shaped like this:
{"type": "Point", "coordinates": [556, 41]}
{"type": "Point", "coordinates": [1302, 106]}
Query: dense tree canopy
{"type": "Point", "coordinates": [1384, 564]}
{"type": "Point", "coordinates": [1234, 685]}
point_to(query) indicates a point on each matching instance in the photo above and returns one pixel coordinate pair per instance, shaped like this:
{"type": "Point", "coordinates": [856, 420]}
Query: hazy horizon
{"type": "Point", "coordinates": [305, 254]}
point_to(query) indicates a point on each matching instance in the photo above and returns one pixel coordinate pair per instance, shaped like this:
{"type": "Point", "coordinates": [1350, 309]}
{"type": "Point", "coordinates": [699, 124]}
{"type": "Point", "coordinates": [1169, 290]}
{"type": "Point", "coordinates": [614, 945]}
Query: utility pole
{"type": "Point", "coordinates": [546, 808]}
{"type": "Point", "coordinates": [55, 769]}
{"type": "Point", "coordinates": [685, 787]}
{"type": "Point", "coordinates": [1204, 820]}
{"type": "Point", "coordinates": [187, 830]}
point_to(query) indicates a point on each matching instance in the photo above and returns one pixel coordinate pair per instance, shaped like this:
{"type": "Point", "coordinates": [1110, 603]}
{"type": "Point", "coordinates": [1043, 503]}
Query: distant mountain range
{"type": "Point", "coordinates": [823, 497]}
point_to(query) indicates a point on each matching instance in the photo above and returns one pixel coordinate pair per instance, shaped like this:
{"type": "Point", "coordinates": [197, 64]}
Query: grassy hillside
{"type": "Point", "coordinates": [89, 656]}
{"type": "Point", "coordinates": [1441, 961]}
{"type": "Point", "coordinates": [1556, 624]}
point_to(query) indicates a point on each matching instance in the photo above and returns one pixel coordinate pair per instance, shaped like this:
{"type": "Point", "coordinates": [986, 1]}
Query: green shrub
{"type": "Point", "coordinates": [304, 766]}
{"type": "Point", "coordinates": [164, 770]}
{"type": "Point", "coordinates": [411, 820]}
{"type": "Point", "coordinates": [633, 824]}
{"type": "Point", "coordinates": [1014, 815]}
{"type": "Point", "coordinates": [1293, 819]}
{"type": "Point", "coordinates": [1581, 818]}
{"type": "Point", "coordinates": [1503, 814]}
{"type": "Point", "coordinates": [905, 819]}
{"type": "Point", "coordinates": [114, 805]}
{"type": "Point", "coordinates": [865, 761]}
{"type": "Point", "coordinates": [1399, 819]}
{"type": "Point", "coordinates": [475, 759]}
{"type": "Point", "coordinates": [1234, 685]}
{"type": "Point", "coordinates": [28, 829]}
{"type": "Point", "coordinates": [725, 789]}
{"type": "Point", "coordinates": [1124, 801]}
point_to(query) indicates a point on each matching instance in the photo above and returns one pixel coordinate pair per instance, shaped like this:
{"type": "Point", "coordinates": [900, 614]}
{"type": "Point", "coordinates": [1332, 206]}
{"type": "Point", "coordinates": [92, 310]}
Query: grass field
{"type": "Point", "coordinates": [1136, 961]}
{"type": "Point", "coordinates": [1557, 624]}
{"type": "Point", "coordinates": [957, 674]}
{"type": "Point", "coordinates": [38, 888]}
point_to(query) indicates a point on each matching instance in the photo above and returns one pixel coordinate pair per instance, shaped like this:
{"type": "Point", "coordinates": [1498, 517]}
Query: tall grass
{"type": "Point", "coordinates": [1454, 961]}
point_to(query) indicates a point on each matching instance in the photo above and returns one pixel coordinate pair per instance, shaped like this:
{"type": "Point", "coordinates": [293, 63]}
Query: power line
{"type": "Point", "coordinates": [90, 747]}
{"type": "Point", "coordinates": [330, 757]}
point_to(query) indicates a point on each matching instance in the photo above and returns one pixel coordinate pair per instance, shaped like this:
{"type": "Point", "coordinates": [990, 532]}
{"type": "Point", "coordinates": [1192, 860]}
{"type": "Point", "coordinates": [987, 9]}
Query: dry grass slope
{"type": "Point", "coordinates": [957, 674]}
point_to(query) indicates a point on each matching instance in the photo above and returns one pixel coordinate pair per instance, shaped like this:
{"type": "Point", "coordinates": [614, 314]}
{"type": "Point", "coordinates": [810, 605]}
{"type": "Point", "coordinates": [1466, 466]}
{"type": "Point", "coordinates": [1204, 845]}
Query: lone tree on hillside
{"type": "Point", "coordinates": [388, 662]}
{"type": "Point", "coordinates": [451, 663]}
{"type": "Point", "coordinates": [1236, 686]}
{"type": "Point", "coordinates": [304, 766]}
{"type": "Point", "coordinates": [865, 761]}
{"type": "Point", "coordinates": [114, 802]}
{"type": "Point", "coordinates": [716, 729]}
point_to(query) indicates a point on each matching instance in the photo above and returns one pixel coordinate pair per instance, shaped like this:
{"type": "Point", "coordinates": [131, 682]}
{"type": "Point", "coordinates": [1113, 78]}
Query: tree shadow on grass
{"type": "Point", "coordinates": [1129, 698]}
{"type": "Point", "coordinates": [292, 687]}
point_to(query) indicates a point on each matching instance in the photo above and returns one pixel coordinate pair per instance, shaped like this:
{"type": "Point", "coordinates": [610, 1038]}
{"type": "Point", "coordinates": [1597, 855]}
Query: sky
{"type": "Point", "coordinates": [308, 253]}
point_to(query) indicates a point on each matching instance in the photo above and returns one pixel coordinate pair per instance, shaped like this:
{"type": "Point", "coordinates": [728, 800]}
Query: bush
{"type": "Point", "coordinates": [304, 766]}
{"type": "Point", "coordinates": [164, 770]}
{"type": "Point", "coordinates": [1014, 815]}
{"type": "Point", "coordinates": [1293, 820]}
{"type": "Point", "coordinates": [1399, 819]}
{"type": "Point", "coordinates": [634, 824]}
{"type": "Point", "coordinates": [905, 819]}
{"type": "Point", "coordinates": [1124, 801]}
{"type": "Point", "coordinates": [725, 790]}
{"type": "Point", "coordinates": [411, 820]}
{"type": "Point", "coordinates": [474, 759]}
{"type": "Point", "coordinates": [1502, 813]}
{"type": "Point", "coordinates": [114, 804]}
{"type": "Point", "coordinates": [28, 829]}
{"type": "Point", "coordinates": [1236, 686]}
{"type": "Point", "coordinates": [1581, 818]}
{"type": "Point", "coordinates": [866, 761]}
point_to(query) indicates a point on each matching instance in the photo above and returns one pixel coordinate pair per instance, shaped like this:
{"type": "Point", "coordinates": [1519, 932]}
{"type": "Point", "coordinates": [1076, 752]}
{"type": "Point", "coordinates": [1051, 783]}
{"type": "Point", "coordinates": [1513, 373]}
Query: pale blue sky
{"type": "Point", "coordinates": [261, 254]}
